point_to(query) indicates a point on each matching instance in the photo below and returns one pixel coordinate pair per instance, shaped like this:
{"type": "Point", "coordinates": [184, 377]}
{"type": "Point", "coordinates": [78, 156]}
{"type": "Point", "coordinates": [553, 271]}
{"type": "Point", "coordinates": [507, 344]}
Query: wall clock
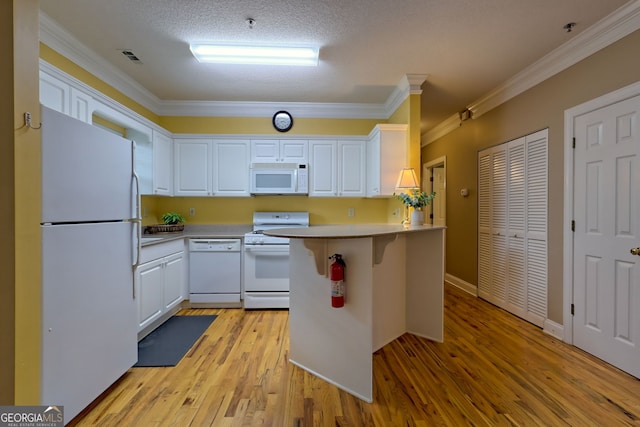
{"type": "Point", "coordinates": [282, 121]}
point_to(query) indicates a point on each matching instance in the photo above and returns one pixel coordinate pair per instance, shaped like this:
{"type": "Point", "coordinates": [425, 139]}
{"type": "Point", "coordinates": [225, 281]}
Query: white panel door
{"type": "Point", "coordinates": [439, 204]}
{"type": "Point", "coordinates": [606, 286]}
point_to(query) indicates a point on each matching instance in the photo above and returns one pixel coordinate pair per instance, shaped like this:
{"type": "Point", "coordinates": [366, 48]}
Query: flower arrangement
{"type": "Point", "coordinates": [415, 199]}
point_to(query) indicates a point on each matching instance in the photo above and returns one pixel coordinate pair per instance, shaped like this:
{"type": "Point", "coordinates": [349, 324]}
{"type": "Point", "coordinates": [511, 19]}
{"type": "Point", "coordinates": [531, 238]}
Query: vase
{"type": "Point", "coordinates": [417, 217]}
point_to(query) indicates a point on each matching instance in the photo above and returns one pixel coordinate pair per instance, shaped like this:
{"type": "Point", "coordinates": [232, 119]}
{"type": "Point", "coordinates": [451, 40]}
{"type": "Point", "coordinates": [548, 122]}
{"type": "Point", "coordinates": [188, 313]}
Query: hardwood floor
{"type": "Point", "coordinates": [493, 369]}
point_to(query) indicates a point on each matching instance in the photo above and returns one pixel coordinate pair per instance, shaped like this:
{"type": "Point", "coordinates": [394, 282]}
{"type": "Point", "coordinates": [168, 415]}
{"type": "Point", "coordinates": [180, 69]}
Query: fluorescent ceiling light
{"type": "Point", "coordinates": [246, 54]}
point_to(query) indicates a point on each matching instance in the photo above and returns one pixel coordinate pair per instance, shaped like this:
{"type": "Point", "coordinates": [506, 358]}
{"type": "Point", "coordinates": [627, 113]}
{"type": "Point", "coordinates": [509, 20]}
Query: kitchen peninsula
{"type": "Point", "coordinates": [394, 284]}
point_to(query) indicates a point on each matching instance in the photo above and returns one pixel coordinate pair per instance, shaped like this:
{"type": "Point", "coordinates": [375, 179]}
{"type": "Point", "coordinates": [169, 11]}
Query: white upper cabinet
{"type": "Point", "coordinates": [352, 168]}
{"type": "Point", "coordinates": [231, 167]}
{"type": "Point", "coordinates": [323, 168]}
{"type": "Point", "coordinates": [192, 167]}
{"type": "Point", "coordinates": [386, 157]}
{"type": "Point", "coordinates": [337, 168]}
{"type": "Point", "coordinates": [162, 164]}
{"type": "Point", "coordinates": [274, 150]}
{"type": "Point", "coordinates": [60, 96]}
{"type": "Point", "coordinates": [54, 93]}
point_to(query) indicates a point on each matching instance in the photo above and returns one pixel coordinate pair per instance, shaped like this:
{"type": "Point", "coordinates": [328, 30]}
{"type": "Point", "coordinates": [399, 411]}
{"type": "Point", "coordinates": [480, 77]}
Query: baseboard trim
{"type": "Point", "coordinates": [554, 329]}
{"type": "Point", "coordinates": [461, 284]}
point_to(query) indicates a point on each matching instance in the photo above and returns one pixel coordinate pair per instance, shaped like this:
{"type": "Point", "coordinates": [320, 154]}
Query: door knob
{"type": "Point", "coordinates": [635, 251]}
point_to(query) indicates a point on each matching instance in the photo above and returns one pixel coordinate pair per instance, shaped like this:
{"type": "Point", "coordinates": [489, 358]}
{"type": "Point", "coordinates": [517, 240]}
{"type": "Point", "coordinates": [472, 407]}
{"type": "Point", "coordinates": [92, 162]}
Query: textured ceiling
{"type": "Point", "coordinates": [466, 47]}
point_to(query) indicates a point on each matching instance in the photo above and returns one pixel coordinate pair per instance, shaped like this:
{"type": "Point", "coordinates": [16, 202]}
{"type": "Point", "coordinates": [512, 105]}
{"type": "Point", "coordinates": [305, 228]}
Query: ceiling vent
{"type": "Point", "coordinates": [132, 56]}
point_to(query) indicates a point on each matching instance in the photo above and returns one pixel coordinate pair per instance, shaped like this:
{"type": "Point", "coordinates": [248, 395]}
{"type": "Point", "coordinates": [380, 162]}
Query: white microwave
{"type": "Point", "coordinates": [279, 178]}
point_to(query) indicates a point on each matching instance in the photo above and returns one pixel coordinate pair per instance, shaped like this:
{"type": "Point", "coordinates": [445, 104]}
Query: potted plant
{"type": "Point", "coordinates": [173, 218]}
{"type": "Point", "coordinates": [417, 200]}
{"type": "Point", "coordinates": [173, 222]}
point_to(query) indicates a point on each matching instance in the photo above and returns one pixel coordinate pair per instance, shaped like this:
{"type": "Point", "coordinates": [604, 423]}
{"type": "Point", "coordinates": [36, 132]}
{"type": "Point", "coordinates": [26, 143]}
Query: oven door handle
{"type": "Point", "coordinates": [267, 250]}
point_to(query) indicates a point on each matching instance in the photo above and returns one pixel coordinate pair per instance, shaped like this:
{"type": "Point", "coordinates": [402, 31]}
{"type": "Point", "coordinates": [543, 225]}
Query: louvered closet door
{"type": "Point", "coordinates": [484, 224]}
{"type": "Point", "coordinates": [517, 293]}
{"type": "Point", "coordinates": [512, 226]}
{"type": "Point", "coordinates": [499, 226]}
{"type": "Point", "coordinates": [537, 208]}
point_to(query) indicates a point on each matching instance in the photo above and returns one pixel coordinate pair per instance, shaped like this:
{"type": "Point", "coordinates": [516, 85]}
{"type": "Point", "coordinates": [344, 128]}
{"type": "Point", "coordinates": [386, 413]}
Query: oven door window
{"type": "Point", "coordinates": [267, 269]}
{"type": "Point", "coordinates": [271, 265]}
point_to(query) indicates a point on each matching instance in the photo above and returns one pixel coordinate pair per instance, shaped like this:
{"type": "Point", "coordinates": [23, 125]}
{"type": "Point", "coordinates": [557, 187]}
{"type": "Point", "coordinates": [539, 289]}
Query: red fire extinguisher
{"type": "Point", "coordinates": [337, 281]}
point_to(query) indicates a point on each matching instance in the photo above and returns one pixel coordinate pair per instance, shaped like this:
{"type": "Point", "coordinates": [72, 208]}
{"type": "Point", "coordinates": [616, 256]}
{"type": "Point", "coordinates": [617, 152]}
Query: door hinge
{"type": "Point", "coordinates": [574, 143]}
{"type": "Point", "coordinates": [573, 309]}
{"type": "Point", "coordinates": [573, 225]}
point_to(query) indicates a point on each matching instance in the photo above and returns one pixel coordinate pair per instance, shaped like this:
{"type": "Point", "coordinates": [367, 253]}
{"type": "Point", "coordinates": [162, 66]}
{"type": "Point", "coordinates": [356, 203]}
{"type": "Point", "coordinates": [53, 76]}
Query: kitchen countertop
{"type": "Point", "coordinates": [200, 231]}
{"type": "Point", "coordinates": [349, 231]}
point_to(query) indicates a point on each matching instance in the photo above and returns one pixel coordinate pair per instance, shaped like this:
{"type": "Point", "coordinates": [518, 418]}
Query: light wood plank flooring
{"type": "Point", "coordinates": [492, 370]}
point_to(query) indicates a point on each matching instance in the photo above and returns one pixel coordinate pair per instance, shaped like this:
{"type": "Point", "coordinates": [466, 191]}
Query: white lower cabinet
{"type": "Point", "coordinates": [159, 284]}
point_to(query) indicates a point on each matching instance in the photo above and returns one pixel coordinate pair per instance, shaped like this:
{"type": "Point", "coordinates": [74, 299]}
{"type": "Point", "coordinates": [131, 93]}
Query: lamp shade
{"type": "Point", "coordinates": [407, 179]}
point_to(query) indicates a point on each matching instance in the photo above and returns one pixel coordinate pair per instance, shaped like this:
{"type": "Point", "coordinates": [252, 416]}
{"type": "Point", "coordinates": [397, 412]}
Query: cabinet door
{"type": "Point", "coordinates": [162, 164]}
{"type": "Point", "coordinates": [265, 150]}
{"type": "Point", "coordinates": [231, 168]}
{"type": "Point", "coordinates": [387, 155]}
{"type": "Point", "coordinates": [294, 151]}
{"type": "Point", "coordinates": [81, 106]}
{"type": "Point", "coordinates": [351, 169]}
{"type": "Point", "coordinates": [323, 164]}
{"type": "Point", "coordinates": [149, 286]}
{"type": "Point", "coordinates": [192, 169]}
{"type": "Point", "coordinates": [173, 280]}
{"type": "Point", "coordinates": [54, 94]}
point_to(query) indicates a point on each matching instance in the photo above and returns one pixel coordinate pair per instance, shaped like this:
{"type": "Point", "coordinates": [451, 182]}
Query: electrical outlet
{"type": "Point", "coordinates": [192, 211]}
{"type": "Point", "coordinates": [396, 212]}
{"type": "Point", "coordinates": [351, 212]}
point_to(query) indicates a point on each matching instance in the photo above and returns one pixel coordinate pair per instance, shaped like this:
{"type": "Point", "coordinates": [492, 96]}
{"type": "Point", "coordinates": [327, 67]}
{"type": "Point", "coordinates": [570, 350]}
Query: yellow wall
{"type": "Point", "coordinates": [20, 258]}
{"type": "Point", "coordinates": [239, 210]}
{"type": "Point", "coordinates": [7, 208]}
{"type": "Point", "coordinates": [540, 107]}
{"type": "Point", "coordinates": [262, 125]}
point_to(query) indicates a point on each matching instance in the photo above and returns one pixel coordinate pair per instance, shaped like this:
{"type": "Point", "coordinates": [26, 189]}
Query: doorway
{"type": "Point", "coordinates": [602, 206]}
{"type": "Point", "coordinates": [434, 178]}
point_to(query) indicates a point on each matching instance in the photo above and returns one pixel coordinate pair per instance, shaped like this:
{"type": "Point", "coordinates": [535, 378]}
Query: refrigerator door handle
{"type": "Point", "coordinates": [138, 219]}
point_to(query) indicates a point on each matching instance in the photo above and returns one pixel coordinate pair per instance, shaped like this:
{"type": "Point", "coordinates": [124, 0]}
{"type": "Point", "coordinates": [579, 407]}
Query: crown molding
{"type": "Point", "coordinates": [448, 125]}
{"type": "Point", "coordinates": [60, 40]}
{"type": "Point", "coordinates": [608, 30]}
{"type": "Point", "coordinates": [605, 32]}
{"type": "Point", "coordinates": [410, 84]}
{"type": "Point", "coordinates": [266, 109]}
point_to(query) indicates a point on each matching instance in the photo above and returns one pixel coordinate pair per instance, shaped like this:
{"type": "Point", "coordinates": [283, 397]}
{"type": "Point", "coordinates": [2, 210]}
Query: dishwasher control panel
{"type": "Point", "coordinates": [214, 245]}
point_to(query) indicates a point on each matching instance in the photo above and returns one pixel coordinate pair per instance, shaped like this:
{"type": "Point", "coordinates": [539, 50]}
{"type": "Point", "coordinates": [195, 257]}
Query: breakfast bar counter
{"type": "Point", "coordinates": [394, 279]}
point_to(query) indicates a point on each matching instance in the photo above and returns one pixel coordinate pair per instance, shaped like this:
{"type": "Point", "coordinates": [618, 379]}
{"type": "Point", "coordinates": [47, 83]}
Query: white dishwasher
{"type": "Point", "coordinates": [214, 272]}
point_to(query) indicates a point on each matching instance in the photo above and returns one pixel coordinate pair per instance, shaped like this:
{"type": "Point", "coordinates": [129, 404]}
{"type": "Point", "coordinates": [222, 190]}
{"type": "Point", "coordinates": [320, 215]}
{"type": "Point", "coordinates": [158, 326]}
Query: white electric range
{"type": "Point", "coordinates": [266, 260]}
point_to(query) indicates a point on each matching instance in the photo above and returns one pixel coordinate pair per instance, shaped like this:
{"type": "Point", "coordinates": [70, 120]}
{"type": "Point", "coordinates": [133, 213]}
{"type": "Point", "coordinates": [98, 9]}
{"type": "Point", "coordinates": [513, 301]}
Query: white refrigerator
{"type": "Point", "coordinates": [90, 234]}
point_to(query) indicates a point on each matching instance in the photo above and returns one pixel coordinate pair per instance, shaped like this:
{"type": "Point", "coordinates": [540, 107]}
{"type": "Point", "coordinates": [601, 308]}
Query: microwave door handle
{"type": "Point", "coordinates": [295, 180]}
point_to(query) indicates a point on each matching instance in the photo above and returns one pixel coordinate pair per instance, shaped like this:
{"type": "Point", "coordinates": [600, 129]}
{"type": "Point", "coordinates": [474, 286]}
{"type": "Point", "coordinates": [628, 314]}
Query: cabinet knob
{"type": "Point", "coordinates": [635, 251]}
